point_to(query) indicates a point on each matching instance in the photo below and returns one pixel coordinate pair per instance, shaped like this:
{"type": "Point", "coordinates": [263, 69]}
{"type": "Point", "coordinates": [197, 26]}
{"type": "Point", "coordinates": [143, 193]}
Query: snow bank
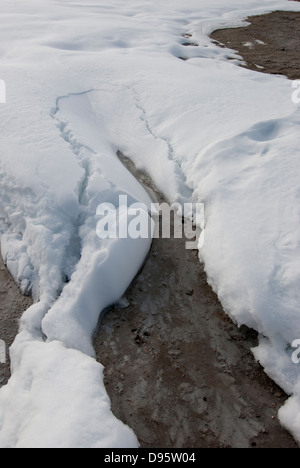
{"type": "Point", "coordinates": [82, 83]}
{"type": "Point", "coordinates": [56, 399]}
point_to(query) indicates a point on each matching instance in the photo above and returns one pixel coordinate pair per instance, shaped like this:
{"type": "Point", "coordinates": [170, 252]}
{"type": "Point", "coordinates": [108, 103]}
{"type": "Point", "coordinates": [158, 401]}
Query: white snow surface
{"type": "Point", "coordinates": [84, 80]}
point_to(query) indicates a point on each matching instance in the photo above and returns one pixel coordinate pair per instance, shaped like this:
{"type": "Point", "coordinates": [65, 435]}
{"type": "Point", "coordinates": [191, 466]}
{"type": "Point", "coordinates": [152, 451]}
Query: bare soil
{"type": "Point", "coordinates": [177, 369]}
{"type": "Point", "coordinates": [271, 44]}
{"type": "Point", "coordinates": [12, 306]}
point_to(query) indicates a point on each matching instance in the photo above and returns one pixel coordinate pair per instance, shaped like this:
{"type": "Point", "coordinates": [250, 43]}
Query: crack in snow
{"type": "Point", "coordinates": [182, 180]}
{"type": "Point", "coordinates": [77, 147]}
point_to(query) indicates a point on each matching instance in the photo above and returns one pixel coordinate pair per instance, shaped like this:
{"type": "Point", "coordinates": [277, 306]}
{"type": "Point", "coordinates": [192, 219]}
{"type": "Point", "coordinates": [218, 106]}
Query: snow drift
{"type": "Point", "coordinates": [84, 81]}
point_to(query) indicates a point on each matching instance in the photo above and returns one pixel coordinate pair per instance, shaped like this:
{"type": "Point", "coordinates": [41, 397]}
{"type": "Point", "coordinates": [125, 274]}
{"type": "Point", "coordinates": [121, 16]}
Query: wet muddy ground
{"type": "Point", "coordinates": [177, 370]}
{"type": "Point", "coordinates": [271, 44]}
{"type": "Point", "coordinates": [12, 306]}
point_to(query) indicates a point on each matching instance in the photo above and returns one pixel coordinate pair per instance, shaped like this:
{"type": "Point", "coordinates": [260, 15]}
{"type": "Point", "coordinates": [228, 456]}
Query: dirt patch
{"type": "Point", "coordinates": [271, 44]}
{"type": "Point", "coordinates": [177, 370]}
{"type": "Point", "coordinates": [12, 306]}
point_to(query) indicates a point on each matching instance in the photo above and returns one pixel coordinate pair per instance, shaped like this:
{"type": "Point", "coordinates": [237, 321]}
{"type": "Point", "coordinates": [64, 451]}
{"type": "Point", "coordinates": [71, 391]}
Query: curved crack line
{"type": "Point", "coordinates": [188, 192]}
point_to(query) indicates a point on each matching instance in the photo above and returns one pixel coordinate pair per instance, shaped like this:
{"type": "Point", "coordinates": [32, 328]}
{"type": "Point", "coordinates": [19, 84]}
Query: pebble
{"type": "Point", "coordinates": [189, 292]}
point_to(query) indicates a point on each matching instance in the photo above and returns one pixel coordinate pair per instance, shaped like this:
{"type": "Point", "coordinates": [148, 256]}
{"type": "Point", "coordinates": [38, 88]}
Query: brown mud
{"type": "Point", "coordinates": [271, 44]}
{"type": "Point", "coordinates": [12, 306]}
{"type": "Point", "coordinates": [177, 370]}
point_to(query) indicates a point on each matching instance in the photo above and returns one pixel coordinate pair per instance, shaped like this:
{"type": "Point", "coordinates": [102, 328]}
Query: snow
{"type": "Point", "coordinates": [85, 80]}
{"type": "Point", "coordinates": [49, 382]}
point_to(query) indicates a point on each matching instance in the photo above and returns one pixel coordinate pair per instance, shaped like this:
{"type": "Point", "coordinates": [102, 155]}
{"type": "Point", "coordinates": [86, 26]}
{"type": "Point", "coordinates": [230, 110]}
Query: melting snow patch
{"type": "Point", "coordinates": [206, 131]}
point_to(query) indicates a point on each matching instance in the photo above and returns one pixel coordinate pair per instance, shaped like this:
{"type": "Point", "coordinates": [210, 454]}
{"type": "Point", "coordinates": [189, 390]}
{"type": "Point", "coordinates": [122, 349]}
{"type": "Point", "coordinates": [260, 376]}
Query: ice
{"type": "Point", "coordinates": [84, 81]}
